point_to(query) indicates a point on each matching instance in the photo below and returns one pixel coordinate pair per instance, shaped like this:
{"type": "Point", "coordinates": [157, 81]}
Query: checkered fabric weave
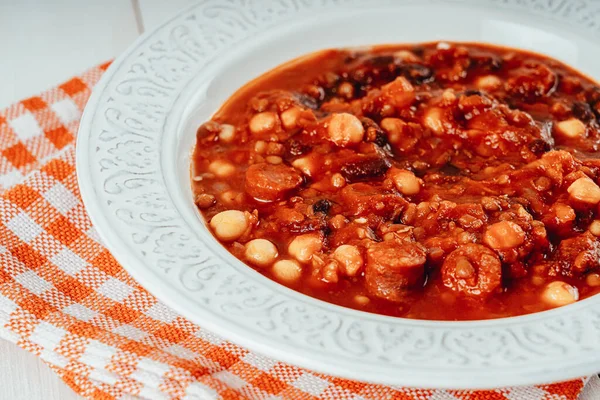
{"type": "Point", "coordinates": [64, 298]}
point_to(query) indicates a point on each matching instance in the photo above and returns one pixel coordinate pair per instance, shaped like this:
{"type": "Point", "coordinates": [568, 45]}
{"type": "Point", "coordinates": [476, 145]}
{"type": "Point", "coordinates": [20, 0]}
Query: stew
{"type": "Point", "coordinates": [445, 181]}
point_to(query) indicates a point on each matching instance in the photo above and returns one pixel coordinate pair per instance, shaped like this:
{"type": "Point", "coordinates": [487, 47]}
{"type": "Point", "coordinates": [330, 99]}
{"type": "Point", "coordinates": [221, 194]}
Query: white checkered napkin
{"type": "Point", "coordinates": [26, 127]}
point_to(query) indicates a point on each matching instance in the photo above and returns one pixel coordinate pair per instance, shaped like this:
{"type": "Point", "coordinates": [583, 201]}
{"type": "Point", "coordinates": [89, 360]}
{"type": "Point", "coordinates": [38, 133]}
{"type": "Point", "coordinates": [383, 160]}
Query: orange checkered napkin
{"type": "Point", "coordinates": [64, 298]}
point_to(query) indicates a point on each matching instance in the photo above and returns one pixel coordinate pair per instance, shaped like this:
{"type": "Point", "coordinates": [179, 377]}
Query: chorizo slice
{"type": "Point", "coordinates": [362, 199]}
{"type": "Point", "coordinates": [268, 182]}
{"type": "Point", "coordinates": [393, 267]}
{"type": "Point", "coordinates": [531, 82]}
{"type": "Point", "coordinates": [577, 255]}
{"type": "Point", "coordinates": [365, 168]}
{"type": "Point", "coordinates": [472, 269]}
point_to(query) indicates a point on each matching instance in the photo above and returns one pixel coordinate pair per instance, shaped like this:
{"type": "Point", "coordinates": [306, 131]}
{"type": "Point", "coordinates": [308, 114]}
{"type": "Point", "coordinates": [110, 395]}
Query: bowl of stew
{"type": "Point", "coordinates": [440, 181]}
{"type": "Point", "coordinates": [403, 203]}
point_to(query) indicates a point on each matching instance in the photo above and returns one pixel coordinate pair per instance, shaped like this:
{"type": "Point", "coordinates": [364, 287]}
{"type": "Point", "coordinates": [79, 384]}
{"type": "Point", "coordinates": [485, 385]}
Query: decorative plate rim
{"type": "Point", "coordinates": [120, 146]}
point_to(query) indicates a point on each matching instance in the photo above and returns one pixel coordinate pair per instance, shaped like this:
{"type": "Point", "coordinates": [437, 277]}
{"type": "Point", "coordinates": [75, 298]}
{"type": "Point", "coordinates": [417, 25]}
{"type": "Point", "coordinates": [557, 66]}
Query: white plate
{"type": "Point", "coordinates": [133, 158]}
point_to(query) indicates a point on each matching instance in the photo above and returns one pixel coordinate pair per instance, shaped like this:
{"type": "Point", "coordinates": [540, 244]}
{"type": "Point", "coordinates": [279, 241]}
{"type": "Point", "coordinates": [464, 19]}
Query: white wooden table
{"type": "Point", "coordinates": [43, 43]}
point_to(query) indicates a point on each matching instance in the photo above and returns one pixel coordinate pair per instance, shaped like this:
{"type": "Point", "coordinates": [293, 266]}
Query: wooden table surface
{"type": "Point", "coordinates": [43, 43]}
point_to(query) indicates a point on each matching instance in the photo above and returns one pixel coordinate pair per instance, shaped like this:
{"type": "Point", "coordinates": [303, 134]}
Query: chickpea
{"type": "Point", "coordinates": [564, 213]}
{"type": "Point", "coordinates": [275, 149]}
{"type": "Point", "coordinates": [205, 200]}
{"type": "Point", "coordinates": [559, 108]}
{"type": "Point", "coordinates": [405, 181]}
{"type": "Point", "coordinates": [287, 271]}
{"type": "Point", "coordinates": [314, 91]}
{"type": "Point", "coordinates": [259, 105]}
{"type": "Point", "coordinates": [538, 280]}
{"type": "Point", "coordinates": [304, 246]}
{"type": "Point", "coordinates": [221, 168]}
{"type": "Point", "coordinates": [504, 235]}
{"type": "Point", "coordinates": [593, 279]}
{"type": "Point", "coordinates": [263, 122]}
{"type": "Point", "coordinates": [260, 252]}
{"type": "Point", "coordinates": [583, 260]}
{"type": "Point", "coordinates": [594, 228]}
{"type": "Point", "coordinates": [260, 146]}
{"type": "Point", "coordinates": [522, 213]}
{"type": "Point", "coordinates": [488, 82]}
{"type": "Point", "coordinates": [346, 90]}
{"type": "Point", "coordinates": [229, 225]}
{"type": "Point", "coordinates": [387, 110]}
{"type": "Point", "coordinates": [433, 120]}
{"type": "Point", "coordinates": [448, 96]}
{"type": "Point", "coordinates": [362, 233]}
{"type": "Point", "coordinates": [337, 180]}
{"type": "Point", "coordinates": [394, 128]}
{"type": "Point", "coordinates": [338, 222]}
{"type": "Point", "coordinates": [465, 238]}
{"type": "Point", "coordinates": [557, 294]}
{"type": "Point", "coordinates": [227, 133]}
{"type": "Point", "coordinates": [540, 270]}
{"type": "Point", "coordinates": [585, 190]}
{"type": "Point", "coordinates": [305, 165]}
{"type": "Point", "coordinates": [406, 56]}
{"type": "Point", "coordinates": [389, 236]}
{"type": "Point", "coordinates": [361, 300]}
{"type": "Point", "coordinates": [275, 160]}
{"type": "Point", "coordinates": [345, 129]}
{"type": "Point", "coordinates": [330, 272]}
{"type": "Point", "coordinates": [289, 118]}
{"type": "Point", "coordinates": [231, 197]}
{"type": "Point", "coordinates": [400, 92]}
{"type": "Point", "coordinates": [219, 186]}
{"type": "Point", "coordinates": [350, 258]}
{"type": "Point", "coordinates": [571, 128]}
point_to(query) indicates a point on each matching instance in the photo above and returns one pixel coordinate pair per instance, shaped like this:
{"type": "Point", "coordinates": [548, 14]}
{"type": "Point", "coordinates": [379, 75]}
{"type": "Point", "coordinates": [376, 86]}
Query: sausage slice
{"type": "Point", "coordinates": [268, 182]}
{"type": "Point", "coordinates": [472, 269]}
{"type": "Point", "coordinates": [393, 267]}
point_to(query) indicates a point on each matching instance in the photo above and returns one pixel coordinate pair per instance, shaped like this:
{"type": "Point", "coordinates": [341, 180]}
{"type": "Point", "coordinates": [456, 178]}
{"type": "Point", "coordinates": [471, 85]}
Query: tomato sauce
{"type": "Point", "coordinates": [441, 181]}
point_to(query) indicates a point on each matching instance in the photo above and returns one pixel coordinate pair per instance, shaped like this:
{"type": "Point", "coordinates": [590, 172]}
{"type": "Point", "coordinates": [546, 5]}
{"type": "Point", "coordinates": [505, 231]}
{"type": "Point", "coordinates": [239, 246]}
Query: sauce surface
{"type": "Point", "coordinates": [443, 181]}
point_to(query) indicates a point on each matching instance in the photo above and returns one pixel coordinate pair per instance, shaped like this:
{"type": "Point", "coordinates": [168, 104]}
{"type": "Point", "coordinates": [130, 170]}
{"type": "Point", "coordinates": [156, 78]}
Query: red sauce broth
{"type": "Point", "coordinates": [469, 179]}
